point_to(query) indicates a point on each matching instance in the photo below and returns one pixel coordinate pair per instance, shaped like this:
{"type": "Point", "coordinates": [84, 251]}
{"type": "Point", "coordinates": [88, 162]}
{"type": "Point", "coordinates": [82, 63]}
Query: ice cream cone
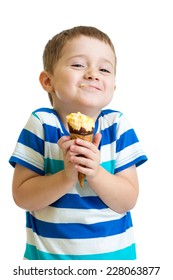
{"type": "Point", "coordinates": [80, 126]}
{"type": "Point", "coordinates": [89, 138]}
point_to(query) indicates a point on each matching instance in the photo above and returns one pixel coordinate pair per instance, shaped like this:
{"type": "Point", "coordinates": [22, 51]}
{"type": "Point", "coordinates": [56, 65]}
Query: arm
{"type": "Point", "coordinates": [119, 191]}
{"type": "Point", "coordinates": [33, 192]}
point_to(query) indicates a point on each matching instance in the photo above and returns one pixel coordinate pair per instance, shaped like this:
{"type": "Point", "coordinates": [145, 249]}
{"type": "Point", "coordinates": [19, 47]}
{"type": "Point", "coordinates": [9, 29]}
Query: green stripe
{"type": "Point", "coordinates": [109, 165]}
{"type": "Point", "coordinates": [52, 165]}
{"type": "Point", "coordinates": [128, 253]}
{"type": "Point", "coordinates": [35, 115]}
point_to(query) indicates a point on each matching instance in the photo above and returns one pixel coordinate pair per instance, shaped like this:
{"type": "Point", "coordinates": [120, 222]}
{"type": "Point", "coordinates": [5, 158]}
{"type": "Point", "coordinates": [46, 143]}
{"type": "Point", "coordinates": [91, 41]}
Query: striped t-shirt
{"type": "Point", "coordinates": [79, 225]}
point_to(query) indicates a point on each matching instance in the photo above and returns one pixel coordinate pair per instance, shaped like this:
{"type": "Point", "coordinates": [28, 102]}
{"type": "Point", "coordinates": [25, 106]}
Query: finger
{"type": "Point", "coordinates": [62, 140]}
{"type": "Point", "coordinates": [89, 145]}
{"type": "Point", "coordinates": [85, 166]}
{"type": "Point", "coordinates": [82, 162]}
{"type": "Point", "coordinates": [72, 153]}
{"type": "Point", "coordinates": [85, 151]}
{"type": "Point", "coordinates": [97, 139]}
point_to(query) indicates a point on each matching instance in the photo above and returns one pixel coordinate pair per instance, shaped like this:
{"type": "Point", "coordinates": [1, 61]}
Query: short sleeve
{"type": "Point", "coordinates": [128, 148]}
{"type": "Point", "coordinates": [29, 150]}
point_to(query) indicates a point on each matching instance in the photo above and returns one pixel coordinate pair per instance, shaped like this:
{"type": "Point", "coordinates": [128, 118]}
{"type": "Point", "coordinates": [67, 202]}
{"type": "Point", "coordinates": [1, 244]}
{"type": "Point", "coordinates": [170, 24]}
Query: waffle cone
{"type": "Point", "coordinates": [87, 137]}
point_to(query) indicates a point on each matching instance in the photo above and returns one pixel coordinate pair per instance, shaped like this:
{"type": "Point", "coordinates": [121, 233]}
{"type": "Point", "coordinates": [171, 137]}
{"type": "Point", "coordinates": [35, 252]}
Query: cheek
{"type": "Point", "coordinates": [110, 86]}
{"type": "Point", "coordinates": [109, 92]}
{"type": "Point", "coordinates": [64, 88]}
{"type": "Point", "coordinates": [62, 82]}
{"type": "Point", "coordinates": [68, 81]}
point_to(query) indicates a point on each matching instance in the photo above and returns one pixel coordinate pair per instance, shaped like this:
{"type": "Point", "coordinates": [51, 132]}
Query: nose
{"type": "Point", "coordinates": [91, 74]}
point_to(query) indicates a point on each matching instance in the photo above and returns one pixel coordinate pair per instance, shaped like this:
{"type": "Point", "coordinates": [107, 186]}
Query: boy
{"type": "Point", "coordinates": [63, 220]}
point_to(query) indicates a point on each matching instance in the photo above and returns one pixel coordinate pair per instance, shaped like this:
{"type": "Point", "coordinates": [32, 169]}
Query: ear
{"type": "Point", "coordinates": [45, 81]}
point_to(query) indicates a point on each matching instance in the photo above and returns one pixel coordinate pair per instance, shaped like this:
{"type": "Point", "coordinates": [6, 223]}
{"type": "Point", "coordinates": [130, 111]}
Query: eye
{"type": "Point", "coordinates": [105, 70]}
{"type": "Point", "coordinates": [77, 65]}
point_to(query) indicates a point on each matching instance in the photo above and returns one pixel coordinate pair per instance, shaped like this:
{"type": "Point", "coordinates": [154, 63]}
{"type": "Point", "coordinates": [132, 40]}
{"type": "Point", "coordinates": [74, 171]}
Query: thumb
{"type": "Point", "coordinates": [97, 139]}
{"type": "Point", "coordinates": [62, 140]}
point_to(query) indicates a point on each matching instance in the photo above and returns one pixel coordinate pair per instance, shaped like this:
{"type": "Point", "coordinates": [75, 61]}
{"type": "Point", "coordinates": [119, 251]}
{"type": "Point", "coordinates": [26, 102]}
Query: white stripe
{"type": "Point", "coordinates": [107, 120]}
{"type": "Point", "coordinates": [128, 154]}
{"type": "Point", "coordinates": [114, 118]}
{"type": "Point", "coordinates": [29, 155]}
{"type": "Point", "coordinates": [108, 152]}
{"type": "Point", "coordinates": [123, 126]}
{"type": "Point", "coordinates": [65, 215]}
{"type": "Point", "coordinates": [34, 125]}
{"type": "Point", "coordinates": [49, 119]}
{"type": "Point", "coordinates": [81, 246]}
{"type": "Point", "coordinates": [82, 192]}
{"type": "Point", "coordinates": [53, 151]}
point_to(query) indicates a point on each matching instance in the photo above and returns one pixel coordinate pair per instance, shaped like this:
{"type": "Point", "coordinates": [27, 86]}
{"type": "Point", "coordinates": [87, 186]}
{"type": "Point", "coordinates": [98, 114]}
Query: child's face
{"type": "Point", "coordinates": [84, 76]}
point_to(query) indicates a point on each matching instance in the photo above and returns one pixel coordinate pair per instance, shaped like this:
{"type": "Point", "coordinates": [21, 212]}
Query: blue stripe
{"type": "Point", "coordinates": [129, 253]}
{"type": "Point", "coordinates": [76, 230]}
{"type": "Point", "coordinates": [32, 141]}
{"type": "Point", "coordinates": [108, 134]}
{"type": "Point", "coordinates": [47, 110]}
{"type": "Point", "coordinates": [126, 139]}
{"type": "Point", "coordinates": [52, 134]}
{"type": "Point", "coordinates": [13, 160]}
{"type": "Point", "coordinates": [75, 201]}
{"type": "Point", "coordinates": [107, 112]}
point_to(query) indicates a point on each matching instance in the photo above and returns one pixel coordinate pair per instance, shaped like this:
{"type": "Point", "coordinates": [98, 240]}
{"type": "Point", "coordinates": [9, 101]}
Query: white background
{"type": "Point", "coordinates": [142, 34]}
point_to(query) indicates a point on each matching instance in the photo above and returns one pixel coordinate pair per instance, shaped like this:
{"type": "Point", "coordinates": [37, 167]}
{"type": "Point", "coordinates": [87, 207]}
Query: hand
{"type": "Point", "coordinates": [85, 156]}
{"type": "Point", "coordinates": [71, 172]}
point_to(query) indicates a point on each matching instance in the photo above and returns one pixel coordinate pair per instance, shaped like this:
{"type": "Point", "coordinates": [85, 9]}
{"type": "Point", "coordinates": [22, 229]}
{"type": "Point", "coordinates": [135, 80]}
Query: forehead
{"type": "Point", "coordinates": [84, 45]}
